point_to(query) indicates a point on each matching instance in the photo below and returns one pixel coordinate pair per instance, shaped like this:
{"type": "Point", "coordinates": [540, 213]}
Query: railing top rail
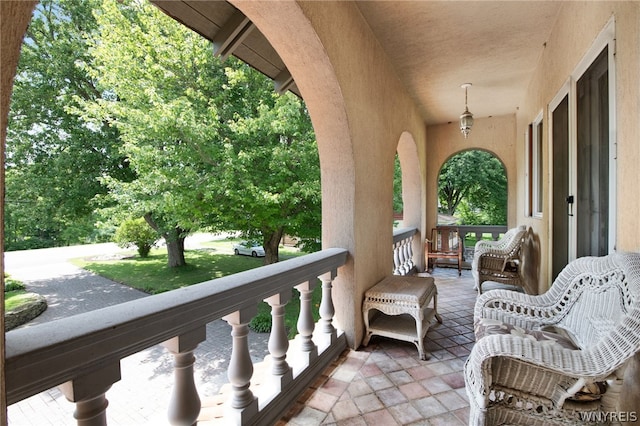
{"type": "Point", "coordinates": [485, 228]}
{"type": "Point", "coordinates": [43, 356]}
{"type": "Point", "coordinates": [403, 233]}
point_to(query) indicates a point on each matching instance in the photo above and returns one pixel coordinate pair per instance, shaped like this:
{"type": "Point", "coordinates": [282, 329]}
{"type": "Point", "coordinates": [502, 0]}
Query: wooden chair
{"type": "Point", "coordinates": [445, 243]}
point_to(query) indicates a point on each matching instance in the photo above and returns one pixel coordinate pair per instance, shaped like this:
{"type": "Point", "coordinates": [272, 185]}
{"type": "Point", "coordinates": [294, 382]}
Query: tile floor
{"type": "Point", "coordinates": [387, 384]}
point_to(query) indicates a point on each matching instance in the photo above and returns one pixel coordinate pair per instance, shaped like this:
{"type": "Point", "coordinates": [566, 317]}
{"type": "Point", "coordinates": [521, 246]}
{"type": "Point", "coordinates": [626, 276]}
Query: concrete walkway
{"type": "Point", "coordinates": [141, 397]}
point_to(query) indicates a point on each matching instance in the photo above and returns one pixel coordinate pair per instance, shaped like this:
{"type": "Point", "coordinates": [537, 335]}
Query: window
{"type": "Point", "coordinates": [534, 163]}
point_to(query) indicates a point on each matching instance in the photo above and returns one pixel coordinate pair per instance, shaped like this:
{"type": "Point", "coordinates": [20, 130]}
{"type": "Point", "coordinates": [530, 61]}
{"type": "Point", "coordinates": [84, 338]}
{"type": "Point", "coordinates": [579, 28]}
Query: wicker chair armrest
{"type": "Point", "coordinates": [487, 245]}
{"type": "Point", "coordinates": [562, 371]}
{"type": "Point", "coordinates": [522, 310]}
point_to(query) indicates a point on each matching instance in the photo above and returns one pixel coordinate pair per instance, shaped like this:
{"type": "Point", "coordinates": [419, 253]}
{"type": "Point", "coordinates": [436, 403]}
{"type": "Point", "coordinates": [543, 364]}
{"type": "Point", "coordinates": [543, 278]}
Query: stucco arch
{"type": "Point", "coordinates": [292, 35]}
{"type": "Point", "coordinates": [496, 135]}
{"type": "Point", "coordinates": [358, 108]}
{"type": "Point", "coordinates": [411, 179]}
{"type": "Point", "coordinates": [412, 190]}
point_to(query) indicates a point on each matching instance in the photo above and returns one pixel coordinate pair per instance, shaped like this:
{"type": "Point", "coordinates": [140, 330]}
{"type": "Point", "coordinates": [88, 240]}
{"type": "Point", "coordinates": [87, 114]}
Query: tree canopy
{"type": "Point", "coordinates": [53, 156]}
{"type": "Point", "coordinates": [398, 205]}
{"type": "Point", "coordinates": [473, 186]}
{"type": "Point", "coordinates": [211, 144]}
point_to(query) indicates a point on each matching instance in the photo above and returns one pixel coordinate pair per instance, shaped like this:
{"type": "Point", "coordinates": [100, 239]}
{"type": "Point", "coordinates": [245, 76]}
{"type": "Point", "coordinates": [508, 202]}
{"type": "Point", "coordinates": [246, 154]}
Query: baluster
{"type": "Point", "coordinates": [88, 392]}
{"type": "Point", "coordinates": [402, 258]}
{"type": "Point", "coordinates": [279, 341]}
{"type": "Point", "coordinates": [397, 262]}
{"type": "Point", "coordinates": [305, 322]}
{"type": "Point", "coordinates": [243, 405]}
{"type": "Point", "coordinates": [184, 403]}
{"type": "Point", "coordinates": [408, 253]}
{"type": "Point", "coordinates": [327, 310]}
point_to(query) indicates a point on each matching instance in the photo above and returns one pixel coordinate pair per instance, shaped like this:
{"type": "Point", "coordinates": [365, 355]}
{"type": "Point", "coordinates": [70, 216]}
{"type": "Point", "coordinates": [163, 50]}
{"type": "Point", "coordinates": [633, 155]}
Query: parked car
{"type": "Point", "coordinates": [249, 248]}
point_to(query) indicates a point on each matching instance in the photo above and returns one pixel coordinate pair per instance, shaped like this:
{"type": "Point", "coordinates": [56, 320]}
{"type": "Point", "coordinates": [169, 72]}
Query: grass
{"type": "Point", "coordinates": [470, 241]}
{"type": "Point", "coordinates": [152, 275]}
{"type": "Point", "coordinates": [215, 260]}
{"type": "Point", "coordinates": [16, 298]}
{"type": "Point", "coordinates": [15, 294]}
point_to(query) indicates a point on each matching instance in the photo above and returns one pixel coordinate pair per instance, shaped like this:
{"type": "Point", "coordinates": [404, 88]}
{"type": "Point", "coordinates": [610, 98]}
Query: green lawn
{"type": "Point", "coordinates": [215, 260]}
{"type": "Point", "coordinates": [152, 275]}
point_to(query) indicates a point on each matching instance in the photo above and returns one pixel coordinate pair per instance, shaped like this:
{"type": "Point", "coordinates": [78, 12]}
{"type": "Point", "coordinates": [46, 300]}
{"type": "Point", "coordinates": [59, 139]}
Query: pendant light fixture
{"type": "Point", "coordinates": [466, 119]}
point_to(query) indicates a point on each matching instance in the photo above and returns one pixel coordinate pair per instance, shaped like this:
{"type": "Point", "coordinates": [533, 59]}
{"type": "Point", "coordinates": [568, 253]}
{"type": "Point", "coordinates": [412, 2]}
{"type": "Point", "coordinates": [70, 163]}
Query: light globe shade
{"type": "Point", "coordinates": [466, 121]}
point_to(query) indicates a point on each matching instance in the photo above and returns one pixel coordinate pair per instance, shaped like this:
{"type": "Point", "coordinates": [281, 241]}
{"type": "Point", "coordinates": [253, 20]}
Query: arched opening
{"type": "Point", "coordinates": [407, 193]}
{"type": "Point", "coordinates": [337, 169]}
{"type": "Point", "coordinates": [309, 64]}
{"type": "Point", "coordinates": [411, 180]}
{"type": "Point", "coordinates": [473, 197]}
{"type": "Point", "coordinates": [398, 205]}
{"type": "Point", "coordinates": [472, 189]}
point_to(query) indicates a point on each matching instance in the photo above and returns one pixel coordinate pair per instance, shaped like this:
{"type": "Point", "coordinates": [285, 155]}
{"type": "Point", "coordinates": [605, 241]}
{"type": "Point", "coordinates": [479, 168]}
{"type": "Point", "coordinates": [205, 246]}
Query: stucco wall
{"type": "Point", "coordinates": [578, 26]}
{"type": "Point", "coordinates": [494, 134]}
{"type": "Point", "coordinates": [360, 112]}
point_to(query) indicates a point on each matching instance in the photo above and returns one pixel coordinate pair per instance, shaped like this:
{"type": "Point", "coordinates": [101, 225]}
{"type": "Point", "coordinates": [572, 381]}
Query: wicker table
{"type": "Point", "coordinates": [403, 312]}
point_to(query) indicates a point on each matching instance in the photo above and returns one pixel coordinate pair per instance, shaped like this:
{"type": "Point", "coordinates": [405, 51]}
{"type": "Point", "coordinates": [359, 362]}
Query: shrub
{"type": "Point", "coordinates": [136, 232]}
{"type": "Point", "coordinates": [261, 323]}
{"type": "Point", "coordinates": [11, 284]}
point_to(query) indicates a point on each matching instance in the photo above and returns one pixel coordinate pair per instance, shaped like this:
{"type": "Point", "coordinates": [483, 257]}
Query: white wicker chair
{"type": "Point", "coordinates": [499, 261]}
{"type": "Point", "coordinates": [514, 379]}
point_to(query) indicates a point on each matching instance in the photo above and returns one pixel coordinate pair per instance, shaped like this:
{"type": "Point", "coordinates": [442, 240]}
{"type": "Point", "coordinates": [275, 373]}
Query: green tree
{"type": "Point", "coordinates": [473, 184]}
{"type": "Point", "coordinates": [54, 157]}
{"type": "Point", "coordinates": [397, 186]}
{"type": "Point", "coordinates": [211, 144]}
{"type": "Point", "coordinates": [271, 172]}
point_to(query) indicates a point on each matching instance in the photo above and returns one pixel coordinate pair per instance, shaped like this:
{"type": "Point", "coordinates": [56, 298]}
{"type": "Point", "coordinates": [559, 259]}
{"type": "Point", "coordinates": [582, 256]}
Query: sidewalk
{"type": "Point", "coordinates": [141, 397]}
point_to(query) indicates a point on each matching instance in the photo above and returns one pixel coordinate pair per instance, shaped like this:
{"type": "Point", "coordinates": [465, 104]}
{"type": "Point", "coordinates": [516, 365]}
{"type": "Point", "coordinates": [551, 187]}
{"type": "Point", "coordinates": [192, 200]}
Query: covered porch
{"type": "Point", "coordinates": [379, 78]}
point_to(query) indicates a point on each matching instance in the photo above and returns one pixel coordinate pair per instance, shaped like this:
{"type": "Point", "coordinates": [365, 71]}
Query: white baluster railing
{"type": "Point", "coordinates": [81, 354]}
{"type": "Point", "coordinates": [403, 263]}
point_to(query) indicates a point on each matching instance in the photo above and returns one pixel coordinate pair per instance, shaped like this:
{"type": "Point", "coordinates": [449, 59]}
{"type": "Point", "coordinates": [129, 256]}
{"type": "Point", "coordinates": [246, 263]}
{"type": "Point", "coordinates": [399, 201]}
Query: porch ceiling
{"type": "Point", "coordinates": [435, 47]}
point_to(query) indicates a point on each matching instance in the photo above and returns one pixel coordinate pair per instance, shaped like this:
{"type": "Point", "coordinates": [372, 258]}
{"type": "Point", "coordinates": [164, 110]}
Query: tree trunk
{"type": "Point", "coordinates": [271, 245]}
{"type": "Point", "coordinates": [175, 251]}
{"type": "Point", "coordinates": [174, 239]}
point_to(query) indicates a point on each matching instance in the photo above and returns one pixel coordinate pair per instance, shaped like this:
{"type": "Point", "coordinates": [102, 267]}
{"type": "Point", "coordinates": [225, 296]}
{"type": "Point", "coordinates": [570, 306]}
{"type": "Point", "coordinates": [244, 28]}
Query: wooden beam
{"type": "Point", "coordinates": [283, 81]}
{"type": "Point", "coordinates": [231, 35]}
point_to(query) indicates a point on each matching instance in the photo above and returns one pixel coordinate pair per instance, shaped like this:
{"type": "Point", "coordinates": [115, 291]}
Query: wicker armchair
{"type": "Point", "coordinates": [499, 261]}
{"type": "Point", "coordinates": [519, 378]}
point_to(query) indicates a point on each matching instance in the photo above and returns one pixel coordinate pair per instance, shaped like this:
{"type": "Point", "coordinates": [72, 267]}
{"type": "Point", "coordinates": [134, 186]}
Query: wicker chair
{"type": "Point", "coordinates": [499, 261]}
{"type": "Point", "coordinates": [519, 378]}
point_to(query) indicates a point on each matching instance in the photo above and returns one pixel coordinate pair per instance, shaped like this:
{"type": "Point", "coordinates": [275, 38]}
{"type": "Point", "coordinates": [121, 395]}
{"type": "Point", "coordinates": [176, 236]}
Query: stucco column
{"type": "Point", "coordinates": [14, 18]}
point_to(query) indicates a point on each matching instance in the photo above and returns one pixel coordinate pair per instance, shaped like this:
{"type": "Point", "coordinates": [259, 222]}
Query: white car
{"type": "Point", "coordinates": [249, 248]}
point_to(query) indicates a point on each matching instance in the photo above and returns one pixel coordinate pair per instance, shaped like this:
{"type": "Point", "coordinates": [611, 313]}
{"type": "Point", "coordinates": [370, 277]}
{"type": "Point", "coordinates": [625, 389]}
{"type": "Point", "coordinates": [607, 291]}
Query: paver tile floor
{"type": "Point", "coordinates": [386, 383]}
